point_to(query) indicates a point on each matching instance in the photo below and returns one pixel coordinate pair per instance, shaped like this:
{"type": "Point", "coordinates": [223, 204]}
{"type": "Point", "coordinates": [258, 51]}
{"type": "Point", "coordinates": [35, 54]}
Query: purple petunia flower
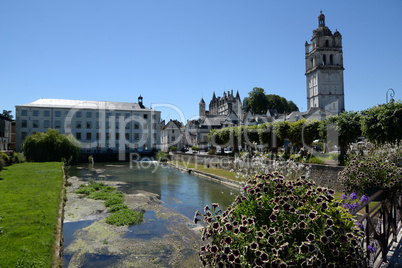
{"type": "Point", "coordinates": [271, 231]}
{"type": "Point", "coordinates": [214, 249]}
{"type": "Point", "coordinates": [236, 231]}
{"type": "Point", "coordinates": [330, 222]}
{"type": "Point", "coordinates": [254, 245]}
{"type": "Point", "coordinates": [302, 225]}
{"type": "Point", "coordinates": [343, 238]}
{"type": "Point", "coordinates": [371, 249]}
{"type": "Point", "coordinates": [264, 257]}
{"type": "Point", "coordinates": [272, 217]}
{"type": "Point", "coordinates": [228, 226]}
{"type": "Point", "coordinates": [324, 239]}
{"type": "Point", "coordinates": [236, 252]}
{"type": "Point", "coordinates": [310, 237]}
{"type": "Point", "coordinates": [353, 196]}
{"type": "Point", "coordinates": [344, 197]}
{"type": "Point", "coordinates": [226, 250]}
{"type": "Point", "coordinates": [228, 240]}
{"type": "Point", "coordinates": [271, 240]}
{"type": "Point", "coordinates": [215, 225]}
{"type": "Point", "coordinates": [206, 208]}
{"type": "Point", "coordinates": [360, 226]}
{"type": "Point", "coordinates": [215, 205]}
{"type": "Point", "coordinates": [364, 199]}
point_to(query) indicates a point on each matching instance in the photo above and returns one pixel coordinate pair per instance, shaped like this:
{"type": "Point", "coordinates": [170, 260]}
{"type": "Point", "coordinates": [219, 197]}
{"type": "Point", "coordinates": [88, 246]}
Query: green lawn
{"type": "Point", "coordinates": [215, 171]}
{"type": "Point", "coordinates": [29, 203]}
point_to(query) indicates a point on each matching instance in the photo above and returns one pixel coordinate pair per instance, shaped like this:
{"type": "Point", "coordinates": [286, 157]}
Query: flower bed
{"type": "Point", "coordinates": [281, 223]}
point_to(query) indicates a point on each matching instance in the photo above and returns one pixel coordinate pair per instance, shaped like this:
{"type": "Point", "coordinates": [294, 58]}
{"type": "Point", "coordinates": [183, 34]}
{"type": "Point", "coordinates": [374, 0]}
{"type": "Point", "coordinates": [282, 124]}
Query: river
{"type": "Point", "coordinates": [166, 238]}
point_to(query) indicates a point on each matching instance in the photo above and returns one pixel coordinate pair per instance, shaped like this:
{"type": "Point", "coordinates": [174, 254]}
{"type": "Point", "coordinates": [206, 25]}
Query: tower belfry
{"type": "Point", "coordinates": [324, 69]}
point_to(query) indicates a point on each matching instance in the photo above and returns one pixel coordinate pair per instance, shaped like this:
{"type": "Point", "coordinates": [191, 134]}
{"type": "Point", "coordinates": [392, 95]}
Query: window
{"type": "Point", "coordinates": [136, 136]}
{"type": "Point", "coordinates": [117, 136]}
{"type": "Point", "coordinates": [145, 116]}
{"type": "Point", "coordinates": [78, 114]}
{"type": "Point", "coordinates": [89, 125]}
{"type": "Point", "coordinates": [145, 126]}
{"type": "Point", "coordinates": [97, 124]}
{"type": "Point", "coordinates": [108, 136]}
{"type": "Point", "coordinates": [172, 131]}
{"type": "Point", "coordinates": [127, 136]}
{"type": "Point", "coordinates": [97, 114]}
{"type": "Point", "coordinates": [145, 136]}
{"type": "Point", "coordinates": [98, 135]}
{"type": "Point", "coordinates": [136, 126]}
{"type": "Point", "coordinates": [24, 123]}
{"type": "Point", "coordinates": [57, 113]}
{"type": "Point", "coordinates": [23, 135]}
{"type": "Point", "coordinates": [117, 125]}
{"type": "Point", "coordinates": [89, 135]}
{"type": "Point", "coordinates": [78, 124]}
{"type": "Point", "coordinates": [46, 113]}
{"type": "Point", "coordinates": [154, 116]}
{"type": "Point", "coordinates": [331, 59]}
{"type": "Point", "coordinates": [173, 138]}
{"type": "Point", "coordinates": [35, 113]}
{"type": "Point", "coordinates": [154, 136]}
{"type": "Point", "coordinates": [78, 135]}
{"type": "Point", "coordinates": [24, 112]}
{"type": "Point", "coordinates": [35, 124]}
{"type": "Point", "coordinates": [324, 59]}
{"type": "Point", "coordinates": [57, 124]}
{"type": "Point", "coordinates": [107, 125]}
{"type": "Point", "coordinates": [126, 116]}
{"type": "Point", "coordinates": [118, 115]}
{"type": "Point", "coordinates": [89, 114]}
{"type": "Point", "coordinates": [46, 124]}
{"type": "Point", "coordinates": [128, 126]}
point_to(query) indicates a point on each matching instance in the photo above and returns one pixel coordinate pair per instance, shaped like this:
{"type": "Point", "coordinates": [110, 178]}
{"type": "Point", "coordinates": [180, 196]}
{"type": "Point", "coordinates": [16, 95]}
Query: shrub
{"type": "Point", "coordinates": [114, 200]}
{"type": "Point", "coordinates": [116, 207]}
{"type": "Point", "coordinates": [173, 148]}
{"type": "Point", "coordinates": [50, 146]}
{"type": "Point", "coordinates": [195, 148]}
{"type": "Point", "coordinates": [19, 158]}
{"type": "Point", "coordinates": [125, 217]}
{"type": "Point", "coordinates": [2, 163]}
{"type": "Point", "coordinates": [6, 158]}
{"type": "Point", "coordinates": [162, 156]}
{"type": "Point", "coordinates": [212, 152]}
{"type": "Point", "coordinates": [282, 223]}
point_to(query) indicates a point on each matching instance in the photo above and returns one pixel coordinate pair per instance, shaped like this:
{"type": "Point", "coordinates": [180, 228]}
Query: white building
{"type": "Point", "coordinates": [324, 69]}
{"type": "Point", "coordinates": [172, 135]}
{"type": "Point", "coordinates": [98, 125]}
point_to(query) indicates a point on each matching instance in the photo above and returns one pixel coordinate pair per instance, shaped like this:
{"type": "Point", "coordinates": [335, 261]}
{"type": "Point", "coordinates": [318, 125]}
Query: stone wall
{"type": "Point", "coordinates": [323, 175]}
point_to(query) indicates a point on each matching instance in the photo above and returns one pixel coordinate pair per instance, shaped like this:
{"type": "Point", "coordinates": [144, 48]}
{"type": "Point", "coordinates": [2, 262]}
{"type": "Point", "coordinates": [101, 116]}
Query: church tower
{"type": "Point", "coordinates": [202, 108]}
{"type": "Point", "coordinates": [324, 69]}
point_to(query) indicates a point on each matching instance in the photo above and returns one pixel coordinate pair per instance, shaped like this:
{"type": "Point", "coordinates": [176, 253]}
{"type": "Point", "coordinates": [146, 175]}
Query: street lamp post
{"type": "Point", "coordinates": [391, 94]}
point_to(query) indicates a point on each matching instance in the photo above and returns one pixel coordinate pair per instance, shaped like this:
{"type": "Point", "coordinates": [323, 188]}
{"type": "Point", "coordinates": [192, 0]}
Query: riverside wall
{"type": "Point", "coordinates": [322, 175]}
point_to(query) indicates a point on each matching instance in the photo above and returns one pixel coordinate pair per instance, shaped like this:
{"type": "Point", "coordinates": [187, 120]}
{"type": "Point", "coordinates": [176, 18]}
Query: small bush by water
{"type": "Point", "coordinates": [114, 200]}
{"type": "Point", "coordinates": [125, 217]}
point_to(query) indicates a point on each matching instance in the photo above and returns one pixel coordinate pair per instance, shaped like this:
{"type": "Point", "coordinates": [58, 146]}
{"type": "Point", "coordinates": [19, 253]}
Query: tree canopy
{"type": "Point", "coordinates": [258, 102]}
{"type": "Point", "coordinates": [50, 146]}
{"type": "Point", "coordinates": [7, 114]}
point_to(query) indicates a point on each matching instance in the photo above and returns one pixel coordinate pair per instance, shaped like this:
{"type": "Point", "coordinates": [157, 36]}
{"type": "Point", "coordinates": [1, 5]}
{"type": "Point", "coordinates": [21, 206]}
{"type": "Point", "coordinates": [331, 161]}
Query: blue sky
{"type": "Point", "coordinates": [177, 52]}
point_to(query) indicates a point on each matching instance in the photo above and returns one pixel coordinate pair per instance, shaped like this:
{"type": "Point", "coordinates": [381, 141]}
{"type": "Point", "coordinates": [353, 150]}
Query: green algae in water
{"type": "Point", "coordinates": [125, 217]}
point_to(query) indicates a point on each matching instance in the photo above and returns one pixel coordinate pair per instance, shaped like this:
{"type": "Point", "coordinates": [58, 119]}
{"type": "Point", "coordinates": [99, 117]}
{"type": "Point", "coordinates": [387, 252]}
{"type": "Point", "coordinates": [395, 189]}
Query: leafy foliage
{"type": "Point", "coordinates": [383, 124]}
{"type": "Point", "coordinates": [162, 156]}
{"type": "Point", "coordinates": [114, 200]}
{"type": "Point", "coordinates": [7, 114]}
{"type": "Point", "coordinates": [50, 146]}
{"type": "Point", "coordinates": [258, 102]}
{"type": "Point", "coordinates": [283, 224]}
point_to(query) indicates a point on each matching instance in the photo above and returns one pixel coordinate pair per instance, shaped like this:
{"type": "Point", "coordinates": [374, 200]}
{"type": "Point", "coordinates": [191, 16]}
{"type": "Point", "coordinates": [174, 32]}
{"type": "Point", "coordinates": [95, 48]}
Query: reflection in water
{"type": "Point", "coordinates": [150, 228]}
{"type": "Point", "coordinates": [181, 191]}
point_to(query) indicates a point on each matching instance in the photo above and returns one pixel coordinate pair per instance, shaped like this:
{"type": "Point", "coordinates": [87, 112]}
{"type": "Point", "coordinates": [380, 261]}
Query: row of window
{"type": "Point", "coordinates": [78, 124]}
{"type": "Point", "coordinates": [79, 114]}
{"type": "Point", "coordinates": [98, 136]}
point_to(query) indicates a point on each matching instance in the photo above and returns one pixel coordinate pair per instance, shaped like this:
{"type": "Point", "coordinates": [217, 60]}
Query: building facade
{"type": "Point", "coordinates": [98, 125]}
{"type": "Point", "coordinates": [224, 105]}
{"type": "Point", "coordinates": [324, 69]}
{"type": "Point", "coordinates": [172, 135]}
{"type": "Point", "coordinates": [5, 133]}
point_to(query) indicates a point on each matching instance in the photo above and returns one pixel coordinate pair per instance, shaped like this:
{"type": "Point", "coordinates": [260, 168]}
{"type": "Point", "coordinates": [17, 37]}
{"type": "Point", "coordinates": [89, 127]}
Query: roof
{"type": "Point", "coordinates": [174, 123]}
{"type": "Point", "coordinates": [84, 104]}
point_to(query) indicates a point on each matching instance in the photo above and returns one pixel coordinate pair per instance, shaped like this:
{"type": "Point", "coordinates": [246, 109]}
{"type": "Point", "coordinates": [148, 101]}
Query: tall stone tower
{"type": "Point", "coordinates": [324, 69]}
{"type": "Point", "coordinates": [202, 108]}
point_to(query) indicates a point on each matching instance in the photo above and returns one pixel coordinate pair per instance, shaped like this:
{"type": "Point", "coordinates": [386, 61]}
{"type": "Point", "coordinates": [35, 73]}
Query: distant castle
{"type": "Point", "coordinates": [222, 105]}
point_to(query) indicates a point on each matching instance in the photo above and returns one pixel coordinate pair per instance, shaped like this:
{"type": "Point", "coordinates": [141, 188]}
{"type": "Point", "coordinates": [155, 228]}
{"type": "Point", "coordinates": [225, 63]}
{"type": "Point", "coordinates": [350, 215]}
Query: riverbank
{"type": "Point", "coordinates": [31, 194]}
{"type": "Point", "coordinates": [166, 238]}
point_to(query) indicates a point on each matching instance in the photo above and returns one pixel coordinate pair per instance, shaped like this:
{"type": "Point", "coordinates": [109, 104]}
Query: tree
{"type": "Point", "coordinates": [7, 114]}
{"type": "Point", "coordinates": [383, 124]}
{"type": "Point", "coordinates": [50, 146]}
{"type": "Point", "coordinates": [256, 101]}
{"type": "Point", "coordinates": [281, 104]}
{"type": "Point", "coordinates": [346, 127]}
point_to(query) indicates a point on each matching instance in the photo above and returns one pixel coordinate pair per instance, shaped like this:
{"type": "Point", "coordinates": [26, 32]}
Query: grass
{"type": "Point", "coordinates": [211, 170]}
{"type": "Point", "coordinates": [114, 200]}
{"type": "Point", "coordinates": [29, 204]}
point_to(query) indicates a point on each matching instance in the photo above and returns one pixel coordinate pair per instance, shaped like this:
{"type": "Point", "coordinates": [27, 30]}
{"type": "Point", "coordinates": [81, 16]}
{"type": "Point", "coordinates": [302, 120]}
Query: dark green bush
{"type": "Point", "coordinates": [18, 158]}
{"type": "Point", "coordinates": [162, 156]}
{"type": "Point", "coordinates": [114, 201]}
{"type": "Point", "coordinates": [116, 207]}
{"type": "Point", "coordinates": [50, 146]}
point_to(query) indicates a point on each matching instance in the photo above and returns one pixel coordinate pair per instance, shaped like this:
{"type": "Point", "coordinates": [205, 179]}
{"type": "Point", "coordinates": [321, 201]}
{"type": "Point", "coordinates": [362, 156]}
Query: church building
{"type": "Point", "coordinates": [324, 69]}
